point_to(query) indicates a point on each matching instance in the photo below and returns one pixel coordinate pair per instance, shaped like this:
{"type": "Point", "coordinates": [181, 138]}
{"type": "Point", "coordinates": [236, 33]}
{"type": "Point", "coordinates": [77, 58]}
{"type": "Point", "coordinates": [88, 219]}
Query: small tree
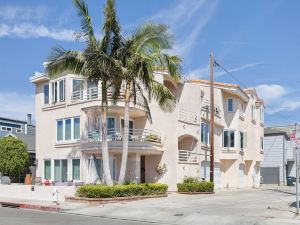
{"type": "Point", "coordinates": [13, 156]}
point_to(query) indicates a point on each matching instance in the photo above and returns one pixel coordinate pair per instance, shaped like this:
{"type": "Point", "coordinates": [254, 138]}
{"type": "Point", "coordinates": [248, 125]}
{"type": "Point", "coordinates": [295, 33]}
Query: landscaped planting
{"type": "Point", "coordinates": [103, 191]}
{"type": "Point", "coordinates": [191, 184]}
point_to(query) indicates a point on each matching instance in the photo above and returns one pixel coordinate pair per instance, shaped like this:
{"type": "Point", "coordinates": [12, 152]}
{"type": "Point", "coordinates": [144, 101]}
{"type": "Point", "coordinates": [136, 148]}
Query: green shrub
{"type": "Point", "coordinates": [191, 180]}
{"type": "Point", "coordinates": [196, 187]}
{"type": "Point", "coordinates": [103, 191]}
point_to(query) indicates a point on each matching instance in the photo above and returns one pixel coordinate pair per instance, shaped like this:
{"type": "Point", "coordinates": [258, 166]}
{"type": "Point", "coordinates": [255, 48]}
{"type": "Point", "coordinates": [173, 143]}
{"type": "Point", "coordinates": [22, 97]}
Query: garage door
{"type": "Point", "coordinates": [205, 168]}
{"type": "Point", "coordinates": [270, 175]}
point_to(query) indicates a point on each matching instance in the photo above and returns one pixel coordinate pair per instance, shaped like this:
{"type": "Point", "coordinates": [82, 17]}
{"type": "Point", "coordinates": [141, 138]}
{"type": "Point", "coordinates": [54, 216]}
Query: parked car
{"type": "Point", "coordinates": [291, 181]}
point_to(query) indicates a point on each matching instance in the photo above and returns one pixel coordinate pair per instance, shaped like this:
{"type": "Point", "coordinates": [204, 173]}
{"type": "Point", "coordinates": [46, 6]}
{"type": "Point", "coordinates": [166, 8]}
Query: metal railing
{"type": "Point", "coordinates": [188, 116]}
{"type": "Point", "coordinates": [135, 135]}
{"type": "Point", "coordinates": [206, 107]}
{"type": "Point", "coordinates": [95, 93]}
{"type": "Point", "coordinates": [185, 156]}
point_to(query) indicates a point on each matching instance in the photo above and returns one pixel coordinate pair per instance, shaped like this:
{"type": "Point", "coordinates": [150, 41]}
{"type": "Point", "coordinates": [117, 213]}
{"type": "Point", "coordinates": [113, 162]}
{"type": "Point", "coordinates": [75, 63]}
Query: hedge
{"type": "Point", "coordinates": [196, 187]}
{"type": "Point", "coordinates": [103, 191]}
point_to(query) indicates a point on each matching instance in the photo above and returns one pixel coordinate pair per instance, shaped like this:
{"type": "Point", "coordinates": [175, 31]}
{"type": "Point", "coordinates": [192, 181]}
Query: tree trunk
{"type": "Point", "coordinates": [125, 137]}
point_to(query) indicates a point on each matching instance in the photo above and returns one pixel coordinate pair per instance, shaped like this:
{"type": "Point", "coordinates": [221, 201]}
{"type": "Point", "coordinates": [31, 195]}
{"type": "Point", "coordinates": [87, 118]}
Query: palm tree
{"type": "Point", "coordinates": [96, 62]}
{"type": "Point", "coordinates": [141, 54]}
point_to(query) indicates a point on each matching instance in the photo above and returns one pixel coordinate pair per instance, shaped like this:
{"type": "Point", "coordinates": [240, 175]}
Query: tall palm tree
{"type": "Point", "coordinates": [140, 55]}
{"type": "Point", "coordinates": [96, 62]}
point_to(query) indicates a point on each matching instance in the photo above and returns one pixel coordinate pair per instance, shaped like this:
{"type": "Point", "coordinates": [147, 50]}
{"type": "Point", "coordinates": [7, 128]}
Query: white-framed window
{"type": "Point", "coordinates": [68, 129]}
{"type": "Point", "coordinates": [47, 169]}
{"type": "Point", "coordinates": [18, 130]}
{"type": "Point", "coordinates": [204, 133]}
{"type": "Point", "coordinates": [46, 94]}
{"type": "Point", "coordinates": [262, 115]}
{"type": "Point", "coordinates": [130, 126]}
{"type": "Point", "coordinates": [230, 107]}
{"type": "Point", "coordinates": [98, 162]}
{"type": "Point", "coordinates": [243, 140]}
{"type": "Point", "coordinates": [111, 125]}
{"type": "Point", "coordinates": [61, 170]}
{"type": "Point", "coordinates": [76, 169]}
{"type": "Point", "coordinates": [253, 112]}
{"type": "Point", "coordinates": [5, 128]}
{"type": "Point", "coordinates": [262, 142]}
{"type": "Point", "coordinates": [228, 139]}
{"type": "Point", "coordinates": [77, 88]}
{"type": "Point", "coordinates": [57, 90]}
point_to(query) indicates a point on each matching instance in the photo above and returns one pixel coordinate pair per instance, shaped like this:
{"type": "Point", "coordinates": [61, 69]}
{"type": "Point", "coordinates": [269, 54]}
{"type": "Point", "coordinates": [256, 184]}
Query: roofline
{"type": "Point", "coordinates": [13, 120]}
{"type": "Point", "coordinates": [277, 134]}
{"type": "Point", "coordinates": [219, 84]}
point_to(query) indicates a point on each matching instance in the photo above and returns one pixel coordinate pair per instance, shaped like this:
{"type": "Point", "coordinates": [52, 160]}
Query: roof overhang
{"type": "Point", "coordinates": [39, 77]}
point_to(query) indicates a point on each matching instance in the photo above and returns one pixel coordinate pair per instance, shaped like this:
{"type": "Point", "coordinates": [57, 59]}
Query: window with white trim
{"type": "Point", "coordinates": [68, 129]}
{"type": "Point", "coordinates": [253, 113]}
{"type": "Point", "coordinates": [243, 140]}
{"type": "Point", "coordinates": [228, 138]}
{"type": "Point", "coordinates": [230, 107]}
{"type": "Point", "coordinates": [76, 169]}
{"type": "Point", "coordinates": [18, 130]}
{"type": "Point", "coordinates": [4, 128]}
{"type": "Point", "coordinates": [204, 133]}
{"type": "Point", "coordinates": [57, 91]}
{"type": "Point", "coordinates": [46, 94]}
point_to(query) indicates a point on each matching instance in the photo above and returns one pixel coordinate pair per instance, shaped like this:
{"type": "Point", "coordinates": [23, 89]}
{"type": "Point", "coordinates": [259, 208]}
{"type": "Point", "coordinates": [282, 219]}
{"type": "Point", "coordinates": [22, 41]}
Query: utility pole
{"type": "Point", "coordinates": [212, 117]}
{"type": "Point", "coordinates": [297, 170]}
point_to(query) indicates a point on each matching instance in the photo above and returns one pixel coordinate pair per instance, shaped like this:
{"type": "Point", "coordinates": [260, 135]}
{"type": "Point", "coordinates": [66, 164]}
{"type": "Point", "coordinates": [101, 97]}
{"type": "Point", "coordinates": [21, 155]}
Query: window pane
{"type": "Point", "coordinates": [64, 170]}
{"type": "Point", "coordinates": [54, 92]}
{"type": "Point", "coordinates": [225, 139]}
{"type": "Point", "coordinates": [110, 126]}
{"type": "Point", "coordinates": [77, 85]}
{"type": "Point", "coordinates": [59, 130]}
{"type": "Point", "coordinates": [76, 169]}
{"type": "Point", "coordinates": [46, 94]}
{"type": "Point", "coordinates": [57, 176]}
{"type": "Point", "coordinates": [232, 139]}
{"type": "Point", "coordinates": [68, 129]}
{"type": "Point", "coordinates": [230, 105]}
{"type": "Point", "coordinates": [241, 140]}
{"type": "Point", "coordinates": [77, 128]}
{"type": "Point", "coordinates": [47, 170]}
{"type": "Point", "coordinates": [62, 90]}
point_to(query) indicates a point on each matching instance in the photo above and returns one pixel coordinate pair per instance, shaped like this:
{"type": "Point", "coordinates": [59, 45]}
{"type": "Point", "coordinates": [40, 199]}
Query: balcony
{"type": "Point", "coordinates": [205, 112]}
{"type": "Point", "coordinates": [230, 153]}
{"type": "Point", "coordinates": [139, 140]}
{"type": "Point", "coordinates": [188, 157]}
{"type": "Point", "coordinates": [95, 94]}
{"type": "Point", "coordinates": [187, 116]}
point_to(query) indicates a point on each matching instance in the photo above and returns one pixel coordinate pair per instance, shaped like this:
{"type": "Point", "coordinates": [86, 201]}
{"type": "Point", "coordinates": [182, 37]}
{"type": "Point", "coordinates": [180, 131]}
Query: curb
{"type": "Point", "coordinates": [30, 206]}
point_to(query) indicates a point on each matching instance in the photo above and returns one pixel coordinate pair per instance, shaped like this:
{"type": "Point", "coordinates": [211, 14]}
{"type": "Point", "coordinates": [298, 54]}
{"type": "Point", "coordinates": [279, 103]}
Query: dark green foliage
{"type": "Point", "coordinates": [103, 191]}
{"type": "Point", "coordinates": [196, 187]}
{"type": "Point", "coordinates": [191, 180]}
{"type": "Point", "coordinates": [13, 156]}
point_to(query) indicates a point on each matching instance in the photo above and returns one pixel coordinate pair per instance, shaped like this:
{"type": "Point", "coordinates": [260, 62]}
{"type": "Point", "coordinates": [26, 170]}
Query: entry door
{"type": "Point", "coordinates": [143, 170]}
{"type": "Point", "coordinates": [205, 173]}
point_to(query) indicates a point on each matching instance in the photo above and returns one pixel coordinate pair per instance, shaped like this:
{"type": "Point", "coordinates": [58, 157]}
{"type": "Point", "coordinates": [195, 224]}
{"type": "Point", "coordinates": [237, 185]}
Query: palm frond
{"type": "Point", "coordinates": [145, 103]}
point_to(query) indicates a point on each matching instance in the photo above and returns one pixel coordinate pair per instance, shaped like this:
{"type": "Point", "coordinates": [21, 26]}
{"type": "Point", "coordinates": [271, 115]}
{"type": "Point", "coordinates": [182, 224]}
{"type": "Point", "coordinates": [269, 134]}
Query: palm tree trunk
{"type": "Point", "coordinates": [125, 137]}
{"type": "Point", "coordinates": [105, 155]}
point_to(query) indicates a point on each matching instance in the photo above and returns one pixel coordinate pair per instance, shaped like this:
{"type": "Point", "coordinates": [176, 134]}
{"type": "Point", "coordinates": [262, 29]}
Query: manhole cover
{"type": "Point", "coordinates": [178, 214]}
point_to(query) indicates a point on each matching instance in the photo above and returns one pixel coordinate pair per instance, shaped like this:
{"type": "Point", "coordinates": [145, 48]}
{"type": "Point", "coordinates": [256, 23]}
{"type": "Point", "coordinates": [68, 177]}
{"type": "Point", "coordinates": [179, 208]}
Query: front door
{"type": "Point", "coordinates": [143, 172]}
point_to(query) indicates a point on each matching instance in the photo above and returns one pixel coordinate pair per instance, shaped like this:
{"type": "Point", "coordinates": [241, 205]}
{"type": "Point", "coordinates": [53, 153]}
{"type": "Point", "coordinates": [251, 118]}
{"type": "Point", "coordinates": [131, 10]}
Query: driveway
{"type": "Point", "coordinates": [254, 206]}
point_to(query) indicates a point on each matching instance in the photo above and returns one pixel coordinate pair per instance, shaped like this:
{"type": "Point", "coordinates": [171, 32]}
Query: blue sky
{"type": "Point", "coordinates": [257, 40]}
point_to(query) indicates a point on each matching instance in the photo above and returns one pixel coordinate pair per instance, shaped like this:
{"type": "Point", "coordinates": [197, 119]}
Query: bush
{"type": "Point", "coordinates": [103, 191]}
{"type": "Point", "coordinates": [196, 187]}
{"type": "Point", "coordinates": [191, 180]}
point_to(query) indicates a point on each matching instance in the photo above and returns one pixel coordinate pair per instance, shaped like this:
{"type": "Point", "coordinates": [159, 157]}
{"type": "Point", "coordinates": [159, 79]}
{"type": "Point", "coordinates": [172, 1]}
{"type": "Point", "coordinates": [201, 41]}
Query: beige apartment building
{"type": "Point", "coordinates": [175, 145]}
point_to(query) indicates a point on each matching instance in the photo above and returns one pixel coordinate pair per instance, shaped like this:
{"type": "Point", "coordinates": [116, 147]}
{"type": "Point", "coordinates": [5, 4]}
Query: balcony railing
{"type": "Point", "coordinates": [95, 93]}
{"type": "Point", "coordinates": [206, 107]}
{"type": "Point", "coordinates": [135, 135]}
{"type": "Point", "coordinates": [185, 156]}
{"type": "Point", "coordinates": [188, 116]}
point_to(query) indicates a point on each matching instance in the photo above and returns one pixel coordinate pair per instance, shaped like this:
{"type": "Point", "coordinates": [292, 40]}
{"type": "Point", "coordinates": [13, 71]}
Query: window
{"type": "Point", "coordinates": [253, 112]}
{"type": "Point", "coordinates": [76, 169]}
{"type": "Point", "coordinates": [76, 128]}
{"type": "Point", "coordinates": [47, 169]}
{"type": "Point", "coordinates": [54, 92]}
{"type": "Point", "coordinates": [228, 138]}
{"type": "Point", "coordinates": [262, 142]}
{"type": "Point", "coordinates": [130, 126]}
{"type": "Point", "coordinates": [242, 140]}
{"type": "Point", "coordinates": [77, 88]}
{"type": "Point", "coordinates": [18, 130]}
{"type": "Point", "coordinates": [229, 105]}
{"type": "Point", "coordinates": [68, 129]}
{"type": "Point", "coordinates": [59, 130]}
{"type": "Point", "coordinates": [262, 115]}
{"type": "Point", "coordinates": [204, 133]}
{"type": "Point", "coordinates": [62, 90]}
{"type": "Point", "coordinates": [61, 170]}
{"type": "Point", "coordinates": [46, 94]}
{"type": "Point", "coordinates": [4, 128]}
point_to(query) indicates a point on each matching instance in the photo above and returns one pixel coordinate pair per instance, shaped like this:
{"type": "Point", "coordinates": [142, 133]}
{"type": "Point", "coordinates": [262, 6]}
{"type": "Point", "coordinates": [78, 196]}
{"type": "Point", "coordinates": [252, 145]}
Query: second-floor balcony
{"type": "Point", "coordinates": [138, 140]}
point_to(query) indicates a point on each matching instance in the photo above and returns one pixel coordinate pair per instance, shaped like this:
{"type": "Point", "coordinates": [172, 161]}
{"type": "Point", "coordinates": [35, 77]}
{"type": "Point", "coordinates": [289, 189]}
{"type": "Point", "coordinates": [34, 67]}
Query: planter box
{"type": "Point", "coordinates": [196, 193]}
{"type": "Point", "coordinates": [97, 201]}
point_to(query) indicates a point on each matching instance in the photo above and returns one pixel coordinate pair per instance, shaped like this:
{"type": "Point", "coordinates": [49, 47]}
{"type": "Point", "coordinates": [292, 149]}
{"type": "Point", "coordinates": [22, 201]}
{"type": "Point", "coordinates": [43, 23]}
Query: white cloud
{"type": "Point", "coordinates": [270, 92]}
{"type": "Point", "coordinates": [16, 105]}
{"type": "Point", "coordinates": [24, 13]}
{"type": "Point", "coordinates": [28, 30]}
{"type": "Point", "coordinates": [203, 72]}
{"type": "Point", "coordinates": [286, 105]}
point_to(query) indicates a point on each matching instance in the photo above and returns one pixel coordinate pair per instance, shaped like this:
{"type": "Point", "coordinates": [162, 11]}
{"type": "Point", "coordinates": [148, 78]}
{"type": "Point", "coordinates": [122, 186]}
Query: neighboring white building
{"type": "Point", "coordinates": [68, 142]}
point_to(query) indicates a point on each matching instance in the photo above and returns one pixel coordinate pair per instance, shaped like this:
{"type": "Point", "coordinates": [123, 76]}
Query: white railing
{"type": "Point", "coordinates": [135, 135]}
{"type": "Point", "coordinates": [188, 116]}
{"type": "Point", "coordinates": [185, 156]}
{"type": "Point", "coordinates": [206, 107]}
{"type": "Point", "coordinates": [95, 93]}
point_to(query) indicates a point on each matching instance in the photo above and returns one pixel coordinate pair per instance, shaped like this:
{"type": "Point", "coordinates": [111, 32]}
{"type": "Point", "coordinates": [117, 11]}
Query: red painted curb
{"type": "Point", "coordinates": [31, 206]}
